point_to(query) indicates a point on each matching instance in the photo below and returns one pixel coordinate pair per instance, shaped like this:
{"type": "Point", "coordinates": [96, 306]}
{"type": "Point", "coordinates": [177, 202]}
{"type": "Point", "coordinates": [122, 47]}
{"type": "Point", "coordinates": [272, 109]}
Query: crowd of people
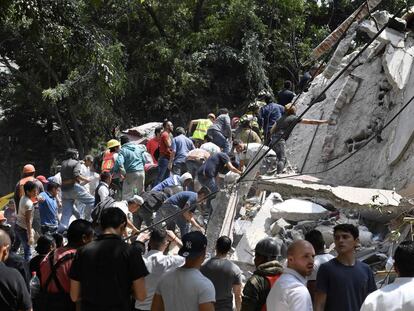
{"type": "Point", "coordinates": [84, 226]}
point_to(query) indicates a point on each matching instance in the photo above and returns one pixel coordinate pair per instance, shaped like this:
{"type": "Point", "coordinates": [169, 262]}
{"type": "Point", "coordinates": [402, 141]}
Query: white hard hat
{"type": "Point", "coordinates": [184, 177]}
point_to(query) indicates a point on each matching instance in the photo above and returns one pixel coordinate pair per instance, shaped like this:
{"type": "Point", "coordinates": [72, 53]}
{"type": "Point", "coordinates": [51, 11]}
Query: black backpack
{"type": "Point", "coordinates": [98, 209]}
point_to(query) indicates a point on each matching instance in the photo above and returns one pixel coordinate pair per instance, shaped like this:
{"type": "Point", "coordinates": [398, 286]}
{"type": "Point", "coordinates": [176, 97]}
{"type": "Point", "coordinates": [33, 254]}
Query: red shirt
{"type": "Point", "coordinates": [62, 271]}
{"type": "Point", "coordinates": [152, 146]}
{"type": "Point", "coordinates": [164, 149]}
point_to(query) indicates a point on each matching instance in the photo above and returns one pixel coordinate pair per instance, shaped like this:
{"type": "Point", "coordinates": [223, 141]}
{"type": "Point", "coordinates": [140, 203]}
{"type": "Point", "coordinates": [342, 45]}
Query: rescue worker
{"type": "Point", "coordinates": [268, 114]}
{"type": "Point", "coordinates": [220, 131]}
{"type": "Point", "coordinates": [268, 270]}
{"type": "Point", "coordinates": [202, 126]}
{"type": "Point", "coordinates": [72, 190]}
{"type": "Point", "coordinates": [281, 131]}
{"type": "Point", "coordinates": [28, 174]}
{"type": "Point", "coordinates": [108, 163]}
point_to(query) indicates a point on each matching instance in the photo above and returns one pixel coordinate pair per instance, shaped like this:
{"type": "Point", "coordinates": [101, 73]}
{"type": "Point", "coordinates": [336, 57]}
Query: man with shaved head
{"type": "Point", "coordinates": [290, 292]}
{"type": "Point", "coordinates": [13, 294]}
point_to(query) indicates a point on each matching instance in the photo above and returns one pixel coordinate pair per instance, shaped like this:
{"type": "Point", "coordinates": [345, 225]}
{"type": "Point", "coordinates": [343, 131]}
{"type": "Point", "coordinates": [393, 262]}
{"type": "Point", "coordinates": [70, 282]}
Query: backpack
{"type": "Point", "coordinates": [55, 301]}
{"type": "Point", "coordinates": [153, 200]}
{"type": "Point", "coordinates": [98, 209]}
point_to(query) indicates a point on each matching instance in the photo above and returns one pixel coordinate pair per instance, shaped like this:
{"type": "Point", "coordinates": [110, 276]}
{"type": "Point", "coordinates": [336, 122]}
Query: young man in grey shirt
{"type": "Point", "coordinates": [186, 289]}
{"type": "Point", "coordinates": [225, 275]}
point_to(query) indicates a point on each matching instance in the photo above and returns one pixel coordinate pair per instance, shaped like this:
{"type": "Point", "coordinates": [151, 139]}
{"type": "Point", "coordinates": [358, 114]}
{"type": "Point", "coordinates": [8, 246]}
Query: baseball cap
{"type": "Point", "coordinates": [136, 199]}
{"type": "Point", "coordinates": [194, 244]}
{"type": "Point", "coordinates": [42, 179]}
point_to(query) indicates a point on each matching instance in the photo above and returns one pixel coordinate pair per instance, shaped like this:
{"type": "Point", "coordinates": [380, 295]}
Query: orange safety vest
{"type": "Point", "coordinates": [272, 280]}
{"type": "Point", "coordinates": [108, 161]}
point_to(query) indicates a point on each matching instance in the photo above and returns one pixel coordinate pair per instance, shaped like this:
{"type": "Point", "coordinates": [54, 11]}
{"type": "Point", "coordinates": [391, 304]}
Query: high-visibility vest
{"type": "Point", "coordinates": [108, 161]}
{"type": "Point", "coordinates": [201, 129]}
{"type": "Point", "coordinates": [272, 280]}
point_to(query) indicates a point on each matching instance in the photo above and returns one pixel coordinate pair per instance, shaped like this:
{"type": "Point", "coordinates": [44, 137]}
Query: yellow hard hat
{"type": "Point", "coordinates": [112, 144]}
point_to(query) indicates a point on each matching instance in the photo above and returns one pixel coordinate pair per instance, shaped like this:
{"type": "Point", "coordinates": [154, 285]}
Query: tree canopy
{"type": "Point", "coordinates": [73, 70]}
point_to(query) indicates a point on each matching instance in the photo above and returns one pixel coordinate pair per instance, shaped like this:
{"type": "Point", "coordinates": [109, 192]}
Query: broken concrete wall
{"type": "Point", "coordinates": [385, 83]}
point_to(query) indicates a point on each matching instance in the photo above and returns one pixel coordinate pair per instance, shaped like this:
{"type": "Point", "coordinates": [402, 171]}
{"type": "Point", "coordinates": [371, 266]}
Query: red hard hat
{"type": "Point", "coordinates": [28, 168]}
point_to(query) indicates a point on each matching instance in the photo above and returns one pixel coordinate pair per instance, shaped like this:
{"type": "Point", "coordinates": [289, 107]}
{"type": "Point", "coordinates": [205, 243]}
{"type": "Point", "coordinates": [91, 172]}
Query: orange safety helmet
{"type": "Point", "coordinates": [28, 169]}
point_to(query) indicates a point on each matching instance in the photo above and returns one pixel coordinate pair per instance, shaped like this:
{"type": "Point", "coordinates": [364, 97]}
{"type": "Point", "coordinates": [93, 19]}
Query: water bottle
{"type": "Point", "coordinates": [34, 285]}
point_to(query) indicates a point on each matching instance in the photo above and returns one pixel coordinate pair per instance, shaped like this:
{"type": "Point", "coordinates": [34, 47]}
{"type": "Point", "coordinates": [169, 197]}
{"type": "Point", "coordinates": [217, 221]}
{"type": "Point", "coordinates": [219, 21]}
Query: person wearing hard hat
{"type": "Point", "coordinates": [268, 271]}
{"type": "Point", "coordinates": [108, 162]}
{"type": "Point", "coordinates": [28, 174]}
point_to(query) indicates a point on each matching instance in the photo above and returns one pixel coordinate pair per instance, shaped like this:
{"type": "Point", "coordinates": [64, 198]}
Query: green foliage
{"type": "Point", "coordinates": [75, 69]}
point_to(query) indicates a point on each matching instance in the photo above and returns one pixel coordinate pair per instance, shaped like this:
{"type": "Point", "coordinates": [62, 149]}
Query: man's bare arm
{"type": "Point", "coordinates": [237, 292]}
{"type": "Point", "coordinates": [320, 301]}
{"type": "Point", "coordinates": [138, 288]}
{"type": "Point", "coordinates": [157, 303]}
{"type": "Point", "coordinates": [208, 306]}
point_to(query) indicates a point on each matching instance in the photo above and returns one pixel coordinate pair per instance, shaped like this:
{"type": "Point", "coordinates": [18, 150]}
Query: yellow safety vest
{"type": "Point", "coordinates": [201, 129]}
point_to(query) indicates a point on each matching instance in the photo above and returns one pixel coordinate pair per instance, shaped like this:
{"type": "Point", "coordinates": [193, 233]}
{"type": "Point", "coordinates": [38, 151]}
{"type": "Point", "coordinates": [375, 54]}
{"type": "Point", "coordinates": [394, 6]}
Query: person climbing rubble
{"type": "Point", "coordinates": [281, 131]}
{"type": "Point", "coordinates": [286, 95]}
{"type": "Point", "coordinates": [174, 181]}
{"type": "Point", "coordinates": [130, 163]}
{"type": "Point", "coordinates": [200, 132]}
{"type": "Point", "coordinates": [166, 158]}
{"type": "Point", "coordinates": [268, 271]}
{"type": "Point", "coordinates": [247, 152]}
{"type": "Point", "coordinates": [268, 114]}
{"type": "Point", "coordinates": [182, 146]}
{"type": "Point", "coordinates": [215, 164]}
{"type": "Point", "coordinates": [220, 131]}
{"type": "Point", "coordinates": [248, 130]}
{"type": "Point", "coordinates": [187, 201]}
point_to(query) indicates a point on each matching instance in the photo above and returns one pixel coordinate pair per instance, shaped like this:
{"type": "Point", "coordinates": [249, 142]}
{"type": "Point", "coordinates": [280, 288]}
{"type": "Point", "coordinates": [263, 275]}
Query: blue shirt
{"type": "Point", "coordinates": [168, 182]}
{"type": "Point", "coordinates": [269, 114]}
{"type": "Point", "coordinates": [182, 198]}
{"type": "Point", "coordinates": [346, 287]}
{"type": "Point", "coordinates": [48, 210]}
{"type": "Point", "coordinates": [215, 164]}
{"type": "Point", "coordinates": [182, 146]}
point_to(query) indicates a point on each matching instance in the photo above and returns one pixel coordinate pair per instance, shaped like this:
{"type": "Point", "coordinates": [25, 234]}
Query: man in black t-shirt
{"type": "Point", "coordinates": [105, 272]}
{"type": "Point", "coordinates": [281, 131]}
{"type": "Point", "coordinates": [13, 291]}
{"type": "Point", "coordinates": [343, 283]}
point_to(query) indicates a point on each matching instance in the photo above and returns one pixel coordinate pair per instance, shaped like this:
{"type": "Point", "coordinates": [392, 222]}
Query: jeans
{"type": "Point", "coordinates": [209, 182]}
{"type": "Point", "coordinates": [192, 167]}
{"type": "Point", "coordinates": [162, 169]}
{"type": "Point", "coordinates": [179, 168]}
{"type": "Point", "coordinates": [220, 140]}
{"type": "Point", "coordinates": [279, 149]}
{"type": "Point", "coordinates": [132, 181]}
{"type": "Point", "coordinates": [22, 234]}
{"type": "Point", "coordinates": [48, 229]}
{"type": "Point", "coordinates": [69, 195]}
{"type": "Point", "coordinates": [179, 220]}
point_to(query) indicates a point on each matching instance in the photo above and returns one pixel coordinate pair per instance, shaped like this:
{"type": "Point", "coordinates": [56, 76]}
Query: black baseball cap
{"type": "Point", "coordinates": [194, 244]}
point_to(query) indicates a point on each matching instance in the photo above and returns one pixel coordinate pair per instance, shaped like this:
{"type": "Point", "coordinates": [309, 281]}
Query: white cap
{"type": "Point", "coordinates": [184, 177]}
{"type": "Point", "coordinates": [136, 199]}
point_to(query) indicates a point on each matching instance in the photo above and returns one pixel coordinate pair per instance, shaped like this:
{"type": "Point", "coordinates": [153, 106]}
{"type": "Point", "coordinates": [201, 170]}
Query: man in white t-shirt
{"type": "Point", "coordinates": [158, 264]}
{"type": "Point", "coordinates": [129, 207]}
{"type": "Point", "coordinates": [186, 289]}
{"type": "Point", "coordinates": [24, 218]}
{"type": "Point", "coordinates": [316, 239]}
{"type": "Point", "coordinates": [250, 152]}
{"type": "Point", "coordinates": [398, 296]}
{"type": "Point", "coordinates": [290, 292]}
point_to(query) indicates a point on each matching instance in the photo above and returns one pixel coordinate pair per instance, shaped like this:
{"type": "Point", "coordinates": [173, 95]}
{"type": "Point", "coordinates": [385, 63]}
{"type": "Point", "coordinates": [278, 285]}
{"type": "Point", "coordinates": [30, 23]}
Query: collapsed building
{"type": "Point", "coordinates": [364, 98]}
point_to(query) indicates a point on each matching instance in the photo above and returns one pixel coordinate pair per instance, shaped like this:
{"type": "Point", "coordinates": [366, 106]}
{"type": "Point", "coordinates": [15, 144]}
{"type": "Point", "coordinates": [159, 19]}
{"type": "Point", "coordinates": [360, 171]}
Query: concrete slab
{"type": "Point", "coordinates": [298, 210]}
{"type": "Point", "coordinates": [371, 203]}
